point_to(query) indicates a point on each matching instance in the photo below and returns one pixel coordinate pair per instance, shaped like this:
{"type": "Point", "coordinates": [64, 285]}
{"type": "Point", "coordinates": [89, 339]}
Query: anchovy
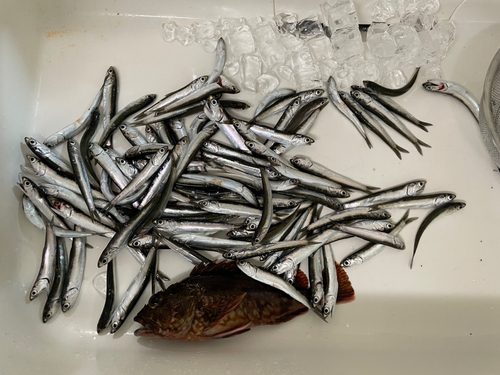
{"type": "Point", "coordinates": [457, 91]}
{"type": "Point", "coordinates": [373, 236]}
{"type": "Point", "coordinates": [308, 165]}
{"type": "Point", "coordinates": [109, 99]}
{"type": "Point", "coordinates": [54, 298]}
{"type": "Point", "coordinates": [133, 293]}
{"type": "Point", "coordinates": [185, 251]}
{"type": "Point", "coordinates": [227, 152]}
{"type": "Point", "coordinates": [81, 177]}
{"type": "Point", "coordinates": [349, 214]}
{"type": "Point", "coordinates": [392, 92]}
{"type": "Point", "coordinates": [220, 61]}
{"type": "Point", "coordinates": [151, 136]}
{"type": "Point", "coordinates": [281, 137]}
{"type": "Point", "coordinates": [208, 243]}
{"type": "Point", "coordinates": [108, 165]}
{"type": "Point", "coordinates": [256, 250]}
{"type": "Point", "coordinates": [143, 150]}
{"type": "Point", "coordinates": [445, 209]}
{"type": "Point", "coordinates": [198, 123]}
{"type": "Point", "coordinates": [409, 189]}
{"type": "Point", "coordinates": [316, 279]}
{"type": "Point", "coordinates": [419, 202]}
{"type": "Point", "coordinates": [336, 100]}
{"type": "Point", "coordinates": [267, 210]}
{"type": "Point", "coordinates": [331, 282]}
{"type": "Point", "coordinates": [46, 273]}
{"type": "Point", "coordinates": [107, 310]}
{"type": "Point", "coordinates": [277, 107]}
{"type": "Point", "coordinates": [179, 227]}
{"type": "Point", "coordinates": [85, 151]}
{"type": "Point", "coordinates": [76, 267]}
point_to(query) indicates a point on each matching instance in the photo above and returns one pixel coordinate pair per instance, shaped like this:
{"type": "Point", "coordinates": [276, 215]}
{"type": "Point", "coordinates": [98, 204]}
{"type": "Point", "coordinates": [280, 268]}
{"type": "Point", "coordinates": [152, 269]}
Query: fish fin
{"type": "Point", "coordinates": [224, 267]}
{"type": "Point", "coordinates": [346, 291]}
{"type": "Point", "coordinates": [417, 146]}
{"type": "Point", "coordinates": [422, 123]}
{"type": "Point", "coordinates": [423, 144]}
{"type": "Point", "coordinates": [402, 149]}
{"type": "Point", "coordinates": [398, 154]}
{"type": "Point", "coordinates": [233, 332]}
{"type": "Point", "coordinates": [370, 188]}
{"type": "Point", "coordinates": [422, 127]}
{"type": "Point", "coordinates": [367, 140]}
{"type": "Point", "coordinates": [301, 282]}
{"type": "Point", "coordinates": [411, 219]}
{"type": "Point", "coordinates": [217, 307]}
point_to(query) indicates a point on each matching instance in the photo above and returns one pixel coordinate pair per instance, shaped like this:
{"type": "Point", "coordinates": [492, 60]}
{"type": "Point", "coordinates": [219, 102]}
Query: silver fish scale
{"type": "Point", "coordinates": [489, 114]}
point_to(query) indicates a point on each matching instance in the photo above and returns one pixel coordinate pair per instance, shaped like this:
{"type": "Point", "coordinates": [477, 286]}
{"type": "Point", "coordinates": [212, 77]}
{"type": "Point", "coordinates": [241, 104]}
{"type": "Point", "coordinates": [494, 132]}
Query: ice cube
{"type": "Point", "coordinates": [343, 24]}
{"type": "Point", "coordinates": [184, 35]}
{"type": "Point", "coordinates": [263, 33]}
{"type": "Point", "coordinates": [384, 9]}
{"type": "Point", "coordinates": [380, 42]}
{"type": "Point", "coordinates": [286, 22]}
{"type": "Point", "coordinates": [431, 71]}
{"type": "Point", "coordinates": [420, 21]}
{"type": "Point", "coordinates": [209, 45]}
{"type": "Point", "coordinates": [232, 67]}
{"type": "Point", "coordinates": [241, 42]}
{"type": "Point", "coordinates": [327, 68]}
{"type": "Point", "coordinates": [250, 69]}
{"type": "Point", "coordinates": [320, 47]}
{"type": "Point", "coordinates": [407, 41]}
{"type": "Point", "coordinates": [367, 70]}
{"type": "Point", "coordinates": [267, 83]}
{"type": "Point", "coordinates": [252, 22]}
{"type": "Point", "coordinates": [445, 32]}
{"type": "Point", "coordinates": [203, 31]}
{"type": "Point", "coordinates": [169, 29]}
{"type": "Point", "coordinates": [272, 53]}
{"type": "Point", "coordinates": [345, 77]}
{"type": "Point", "coordinates": [302, 58]}
{"type": "Point", "coordinates": [291, 43]}
{"type": "Point", "coordinates": [284, 72]}
{"type": "Point", "coordinates": [305, 73]}
{"type": "Point", "coordinates": [394, 79]}
{"type": "Point", "coordinates": [310, 27]}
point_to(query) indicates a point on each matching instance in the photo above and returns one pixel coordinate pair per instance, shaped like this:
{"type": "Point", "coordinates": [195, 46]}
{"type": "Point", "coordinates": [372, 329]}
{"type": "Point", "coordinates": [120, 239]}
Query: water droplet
{"type": "Point", "coordinates": [99, 283]}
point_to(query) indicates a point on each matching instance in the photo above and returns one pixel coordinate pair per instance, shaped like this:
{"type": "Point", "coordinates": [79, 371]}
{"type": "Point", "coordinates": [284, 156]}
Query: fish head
{"type": "Point", "coordinates": [351, 261]}
{"type": "Point", "coordinates": [49, 310]}
{"type": "Point", "coordinates": [211, 146]}
{"type": "Point", "coordinates": [241, 125]}
{"type": "Point", "coordinates": [160, 155]}
{"type": "Point", "coordinates": [384, 225]}
{"type": "Point", "coordinates": [169, 314]}
{"type": "Point", "coordinates": [435, 85]}
{"type": "Point", "coordinates": [50, 190]}
{"type": "Point", "coordinates": [206, 204]}
{"type": "Point", "coordinates": [127, 130]}
{"type": "Point", "coordinates": [142, 241]}
{"type": "Point", "coordinates": [95, 149]}
{"type": "Point", "coordinates": [361, 97]}
{"type": "Point", "coordinates": [445, 198]}
{"type": "Point", "coordinates": [256, 147]}
{"type": "Point", "coordinates": [62, 208]}
{"type": "Point", "coordinates": [54, 140]}
{"type": "Point", "coordinates": [272, 173]}
{"type": "Point", "coordinates": [167, 225]}
{"type": "Point", "coordinates": [39, 167]}
{"type": "Point", "coordinates": [381, 214]}
{"type": "Point", "coordinates": [213, 110]}
{"type": "Point", "coordinates": [227, 84]}
{"type": "Point", "coordinates": [69, 299]}
{"type": "Point", "coordinates": [290, 183]}
{"type": "Point", "coordinates": [72, 145]}
{"type": "Point", "coordinates": [27, 186]}
{"type": "Point", "coordinates": [345, 96]}
{"type": "Point", "coordinates": [37, 147]}
{"type": "Point", "coordinates": [199, 82]}
{"type": "Point", "coordinates": [303, 139]}
{"type": "Point", "coordinates": [282, 266]}
{"type": "Point", "coordinates": [302, 161]}
{"type": "Point", "coordinates": [415, 187]}
{"type": "Point", "coordinates": [294, 106]}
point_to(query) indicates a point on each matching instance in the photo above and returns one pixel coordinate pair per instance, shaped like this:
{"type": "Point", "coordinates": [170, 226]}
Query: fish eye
{"type": "Point", "coordinates": [275, 268]}
{"type": "Point", "coordinates": [27, 183]}
{"type": "Point", "coordinates": [252, 226]}
{"type": "Point", "coordinates": [316, 300]}
{"type": "Point", "coordinates": [155, 301]}
{"type": "Point", "coordinates": [214, 102]}
{"type": "Point", "coordinates": [161, 150]}
{"type": "Point", "coordinates": [251, 144]}
{"type": "Point", "coordinates": [66, 306]}
{"type": "Point", "coordinates": [137, 243]}
{"type": "Point", "coordinates": [122, 162]}
{"type": "Point", "coordinates": [257, 240]}
{"type": "Point", "coordinates": [203, 79]}
{"type": "Point", "coordinates": [104, 260]}
{"type": "Point", "coordinates": [49, 315]}
{"type": "Point", "coordinates": [326, 310]}
{"type": "Point", "coordinates": [297, 102]}
{"type": "Point", "coordinates": [32, 159]}
{"type": "Point", "coordinates": [114, 325]}
{"type": "Point", "coordinates": [343, 193]}
{"type": "Point", "coordinates": [159, 222]}
{"type": "Point", "coordinates": [123, 127]}
{"type": "Point", "coordinates": [390, 226]}
{"type": "Point", "coordinates": [318, 92]}
{"type": "Point", "coordinates": [291, 203]}
{"type": "Point", "coordinates": [33, 142]}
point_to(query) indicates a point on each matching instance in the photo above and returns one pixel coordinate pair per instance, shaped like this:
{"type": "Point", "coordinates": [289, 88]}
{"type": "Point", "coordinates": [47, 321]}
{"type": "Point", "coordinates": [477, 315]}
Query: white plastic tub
{"type": "Point", "coordinates": [441, 317]}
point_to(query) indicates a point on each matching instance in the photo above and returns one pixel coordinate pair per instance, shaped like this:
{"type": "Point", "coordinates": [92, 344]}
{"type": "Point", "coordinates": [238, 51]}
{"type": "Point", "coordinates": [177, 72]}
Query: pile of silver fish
{"type": "Point", "coordinates": [176, 188]}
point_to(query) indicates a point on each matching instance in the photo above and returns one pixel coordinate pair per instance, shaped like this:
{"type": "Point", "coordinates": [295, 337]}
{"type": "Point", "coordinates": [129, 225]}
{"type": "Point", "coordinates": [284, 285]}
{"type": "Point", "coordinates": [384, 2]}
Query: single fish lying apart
{"type": "Point", "coordinates": [218, 301]}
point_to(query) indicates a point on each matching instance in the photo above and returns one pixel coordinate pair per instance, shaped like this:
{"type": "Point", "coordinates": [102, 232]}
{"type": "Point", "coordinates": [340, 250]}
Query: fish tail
{"type": "Point", "coordinates": [417, 146]}
{"type": "Point", "coordinates": [402, 149]}
{"type": "Point", "coordinates": [423, 123]}
{"type": "Point", "coordinates": [423, 143]}
{"type": "Point", "coordinates": [367, 140]}
{"type": "Point", "coordinates": [422, 127]}
{"type": "Point", "coordinates": [94, 216]}
{"type": "Point", "coordinates": [108, 208]}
